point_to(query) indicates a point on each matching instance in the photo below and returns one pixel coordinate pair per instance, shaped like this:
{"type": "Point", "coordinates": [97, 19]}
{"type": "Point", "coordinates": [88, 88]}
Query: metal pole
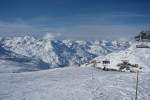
{"type": "Point", "coordinates": [137, 80]}
{"type": "Point", "coordinates": [93, 70]}
{"type": "Point", "coordinates": [92, 75]}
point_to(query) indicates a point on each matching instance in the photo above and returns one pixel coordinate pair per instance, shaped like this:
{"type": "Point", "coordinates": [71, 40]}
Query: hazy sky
{"type": "Point", "coordinates": [75, 19]}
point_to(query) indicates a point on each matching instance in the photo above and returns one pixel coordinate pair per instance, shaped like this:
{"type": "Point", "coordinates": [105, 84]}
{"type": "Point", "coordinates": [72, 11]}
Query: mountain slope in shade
{"type": "Point", "coordinates": [12, 62]}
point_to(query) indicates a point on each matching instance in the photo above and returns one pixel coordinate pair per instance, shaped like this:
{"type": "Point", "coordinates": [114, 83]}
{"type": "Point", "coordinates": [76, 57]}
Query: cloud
{"type": "Point", "coordinates": [50, 36]}
{"type": "Point", "coordinates": [85, 31]}
{"type": "Point", "coordinates": [7, 28]}
{"type": "Point", "coordinates": [21, 29]}
{"type": "Point", "coordinates": [104, 31]}
{"type": "Point", "coordinates": [128, 14]}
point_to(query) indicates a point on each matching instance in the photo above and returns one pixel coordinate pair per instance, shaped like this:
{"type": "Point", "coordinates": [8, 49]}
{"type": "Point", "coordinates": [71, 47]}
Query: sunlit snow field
{"type": "Point", "coordinates": [73, 83]}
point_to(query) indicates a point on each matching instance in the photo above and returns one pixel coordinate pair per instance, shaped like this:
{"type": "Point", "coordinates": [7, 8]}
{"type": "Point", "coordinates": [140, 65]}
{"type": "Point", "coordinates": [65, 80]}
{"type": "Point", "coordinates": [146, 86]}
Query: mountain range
{"type": "Point", "coordinates": [51, 53]}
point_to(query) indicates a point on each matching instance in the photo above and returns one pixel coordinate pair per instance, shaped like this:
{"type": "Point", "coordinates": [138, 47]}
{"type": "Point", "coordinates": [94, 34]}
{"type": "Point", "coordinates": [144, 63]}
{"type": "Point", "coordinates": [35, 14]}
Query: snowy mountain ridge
{"type": "Point", "coordinates": [60, 53]}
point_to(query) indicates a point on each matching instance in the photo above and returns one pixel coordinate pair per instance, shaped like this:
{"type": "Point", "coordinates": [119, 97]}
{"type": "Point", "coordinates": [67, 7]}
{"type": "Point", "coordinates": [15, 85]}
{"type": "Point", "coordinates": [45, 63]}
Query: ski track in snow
{"type": "Point", "coordinates": [73, 84]}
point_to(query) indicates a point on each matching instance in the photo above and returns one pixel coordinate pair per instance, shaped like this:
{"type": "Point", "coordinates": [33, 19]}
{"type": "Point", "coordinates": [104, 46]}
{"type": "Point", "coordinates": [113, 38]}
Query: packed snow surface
{"type": "Point", "coordinates": [73, 83]}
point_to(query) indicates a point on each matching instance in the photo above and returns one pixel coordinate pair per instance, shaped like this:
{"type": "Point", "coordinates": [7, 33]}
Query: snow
{"type": "Point", "coordinates": [16, 63]}
{"type": "Point", "coordinates": [25, 73]}
{"type": "Point", "coordinates": [60, 53]}
{"type": "Point", "coordinates": [73, 83]}
{"type": "Point", "coordinates": [133, 55]}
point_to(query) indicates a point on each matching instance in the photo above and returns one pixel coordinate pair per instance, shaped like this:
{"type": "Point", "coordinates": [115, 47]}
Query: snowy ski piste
{"type": "Point", "coordinates": [73, 83]}
{"type": "Point", "coordinates": [34, 76]}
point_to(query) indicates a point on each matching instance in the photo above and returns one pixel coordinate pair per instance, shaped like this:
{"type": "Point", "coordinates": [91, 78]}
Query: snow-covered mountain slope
{"type": "Point", "coordinates": [133, 55]}
{"type": "Point", "coordinates": [12, 62]}
{"type": "Point", "coordinates": [60, 53]}
{"type": "Point", "coordinates": [72, 83]}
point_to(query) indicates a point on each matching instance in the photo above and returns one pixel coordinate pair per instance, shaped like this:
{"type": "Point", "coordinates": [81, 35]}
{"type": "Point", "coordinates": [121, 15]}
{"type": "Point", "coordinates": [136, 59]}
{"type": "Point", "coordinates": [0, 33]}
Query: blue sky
{"type": "Point", "coordinates": [74, 19]}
